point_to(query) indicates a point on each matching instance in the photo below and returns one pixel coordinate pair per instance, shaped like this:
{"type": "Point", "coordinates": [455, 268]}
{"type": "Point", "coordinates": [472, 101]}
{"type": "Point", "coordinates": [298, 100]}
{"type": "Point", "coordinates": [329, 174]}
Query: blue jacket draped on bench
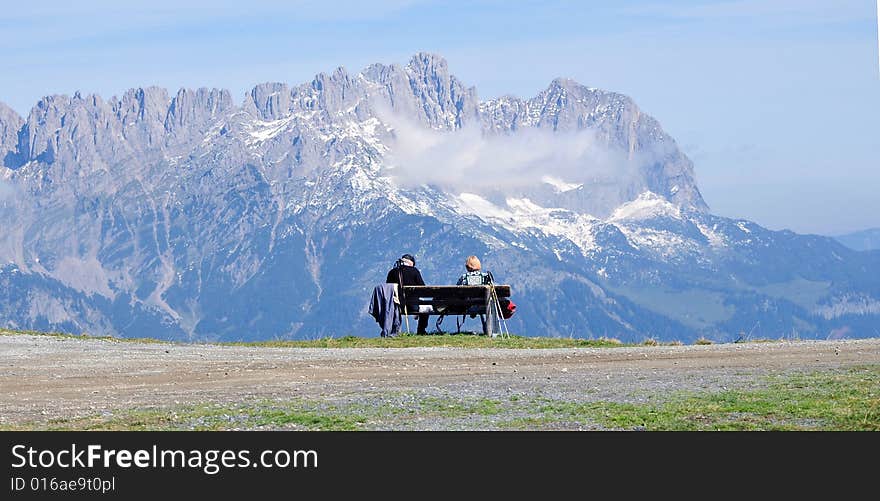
{"type": "Point", "coordinates": [384, 309]}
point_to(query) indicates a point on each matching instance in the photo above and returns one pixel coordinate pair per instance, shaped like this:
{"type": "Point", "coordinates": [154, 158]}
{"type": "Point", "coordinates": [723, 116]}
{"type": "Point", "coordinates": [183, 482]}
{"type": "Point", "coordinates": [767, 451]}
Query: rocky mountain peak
{"type": "Point", "coordinates": [559, 86]}
{"type": "Point", "coordinates": [143, 104]}
{"type": "Point", "coordinates": [333, 92]}
{"type": "Point", "coordinates": [446, 102]}
{"type": "Point", "coordinates": [429, 65]}
{"type": "Point", "coordinates": [197, 108]}
{"type": "Point", "coordinates": [10, 124]}
{"type": "Point", "coordinates": [8, 115]}
{"type": "Point", "coordinates": [268, 101]}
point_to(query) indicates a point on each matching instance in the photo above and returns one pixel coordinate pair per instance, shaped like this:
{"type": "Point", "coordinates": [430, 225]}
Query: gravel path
{"type": "Point", "coordinates": [44, 378]}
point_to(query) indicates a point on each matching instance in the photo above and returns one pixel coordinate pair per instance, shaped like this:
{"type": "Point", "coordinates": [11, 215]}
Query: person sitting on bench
{"type": "Point", "coordinates": [475, 274]}
{"type": "Point", "coordinates": [406, 273]}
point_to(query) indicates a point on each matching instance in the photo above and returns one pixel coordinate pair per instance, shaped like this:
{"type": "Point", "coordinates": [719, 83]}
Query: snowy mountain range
{"type": "Point", "coordinates": [191, 217]}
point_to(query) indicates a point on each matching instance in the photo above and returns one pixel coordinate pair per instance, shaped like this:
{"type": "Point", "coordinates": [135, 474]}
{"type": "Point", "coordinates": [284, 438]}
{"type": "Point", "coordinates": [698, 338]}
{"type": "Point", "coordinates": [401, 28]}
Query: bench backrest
{"type": "Point", "coordinates": [452, 295]}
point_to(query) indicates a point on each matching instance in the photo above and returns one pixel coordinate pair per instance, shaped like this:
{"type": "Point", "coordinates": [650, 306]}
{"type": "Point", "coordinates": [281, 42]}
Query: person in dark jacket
{"type": "Point", "coordinates": [406, 273]}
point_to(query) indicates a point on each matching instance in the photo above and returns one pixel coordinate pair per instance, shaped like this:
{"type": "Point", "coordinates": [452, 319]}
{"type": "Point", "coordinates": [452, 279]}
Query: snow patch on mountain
{"type": "Point", "coordinates": [648, 205]}
{"type": "Point", "coordinates": [716, 238]}
{"type": "Point", "coordinates": [479, 206]}
{"type": "Point", "coordinates": [665, 243]}
{"type": "Point", "coordinates": [559, 185]}
{"type": "Point", "coordinates": [261, 131]}
{"type": "Point", "coordinates": [521, 215]}
{"type": "Point", "coordinates": [366, 131]}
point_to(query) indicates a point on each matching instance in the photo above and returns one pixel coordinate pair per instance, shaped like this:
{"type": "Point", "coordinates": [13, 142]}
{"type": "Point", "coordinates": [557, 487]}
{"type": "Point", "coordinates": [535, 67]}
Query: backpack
{"type": "Point", "coordinates": [508, 308]}
{"type": "Point", "coordinates": [475, 278]}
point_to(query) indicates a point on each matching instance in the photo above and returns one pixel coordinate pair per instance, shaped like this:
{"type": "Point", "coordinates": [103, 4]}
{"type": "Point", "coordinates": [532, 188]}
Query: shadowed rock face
{"type": "Point", "coordinates": [187, 216]}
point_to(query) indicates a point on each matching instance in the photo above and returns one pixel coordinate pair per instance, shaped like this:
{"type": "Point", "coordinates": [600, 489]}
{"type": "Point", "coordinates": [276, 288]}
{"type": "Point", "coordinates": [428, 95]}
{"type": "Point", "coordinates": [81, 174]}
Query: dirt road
{"type": "Point", "coordinates": [45, 378]}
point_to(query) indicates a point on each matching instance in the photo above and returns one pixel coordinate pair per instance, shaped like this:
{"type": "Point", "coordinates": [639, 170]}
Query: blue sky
{"type": "Point", "coordinates": [776, 102]}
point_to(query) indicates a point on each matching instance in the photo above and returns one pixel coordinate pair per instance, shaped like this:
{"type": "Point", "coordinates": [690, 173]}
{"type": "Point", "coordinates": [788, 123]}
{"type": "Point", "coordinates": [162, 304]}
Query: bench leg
{"type": "Point", "coordinates": [490, 322]}
{"type": "Point", "coordinates": [490, 319]}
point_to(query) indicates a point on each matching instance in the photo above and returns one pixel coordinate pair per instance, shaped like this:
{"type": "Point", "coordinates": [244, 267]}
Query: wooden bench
{"type": "Point", "coordinates": [458, 300]}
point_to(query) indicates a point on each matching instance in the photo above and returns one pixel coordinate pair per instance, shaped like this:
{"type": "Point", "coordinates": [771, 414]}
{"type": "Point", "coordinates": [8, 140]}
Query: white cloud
{"type": "Point", "coordinates": [466, 160]}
